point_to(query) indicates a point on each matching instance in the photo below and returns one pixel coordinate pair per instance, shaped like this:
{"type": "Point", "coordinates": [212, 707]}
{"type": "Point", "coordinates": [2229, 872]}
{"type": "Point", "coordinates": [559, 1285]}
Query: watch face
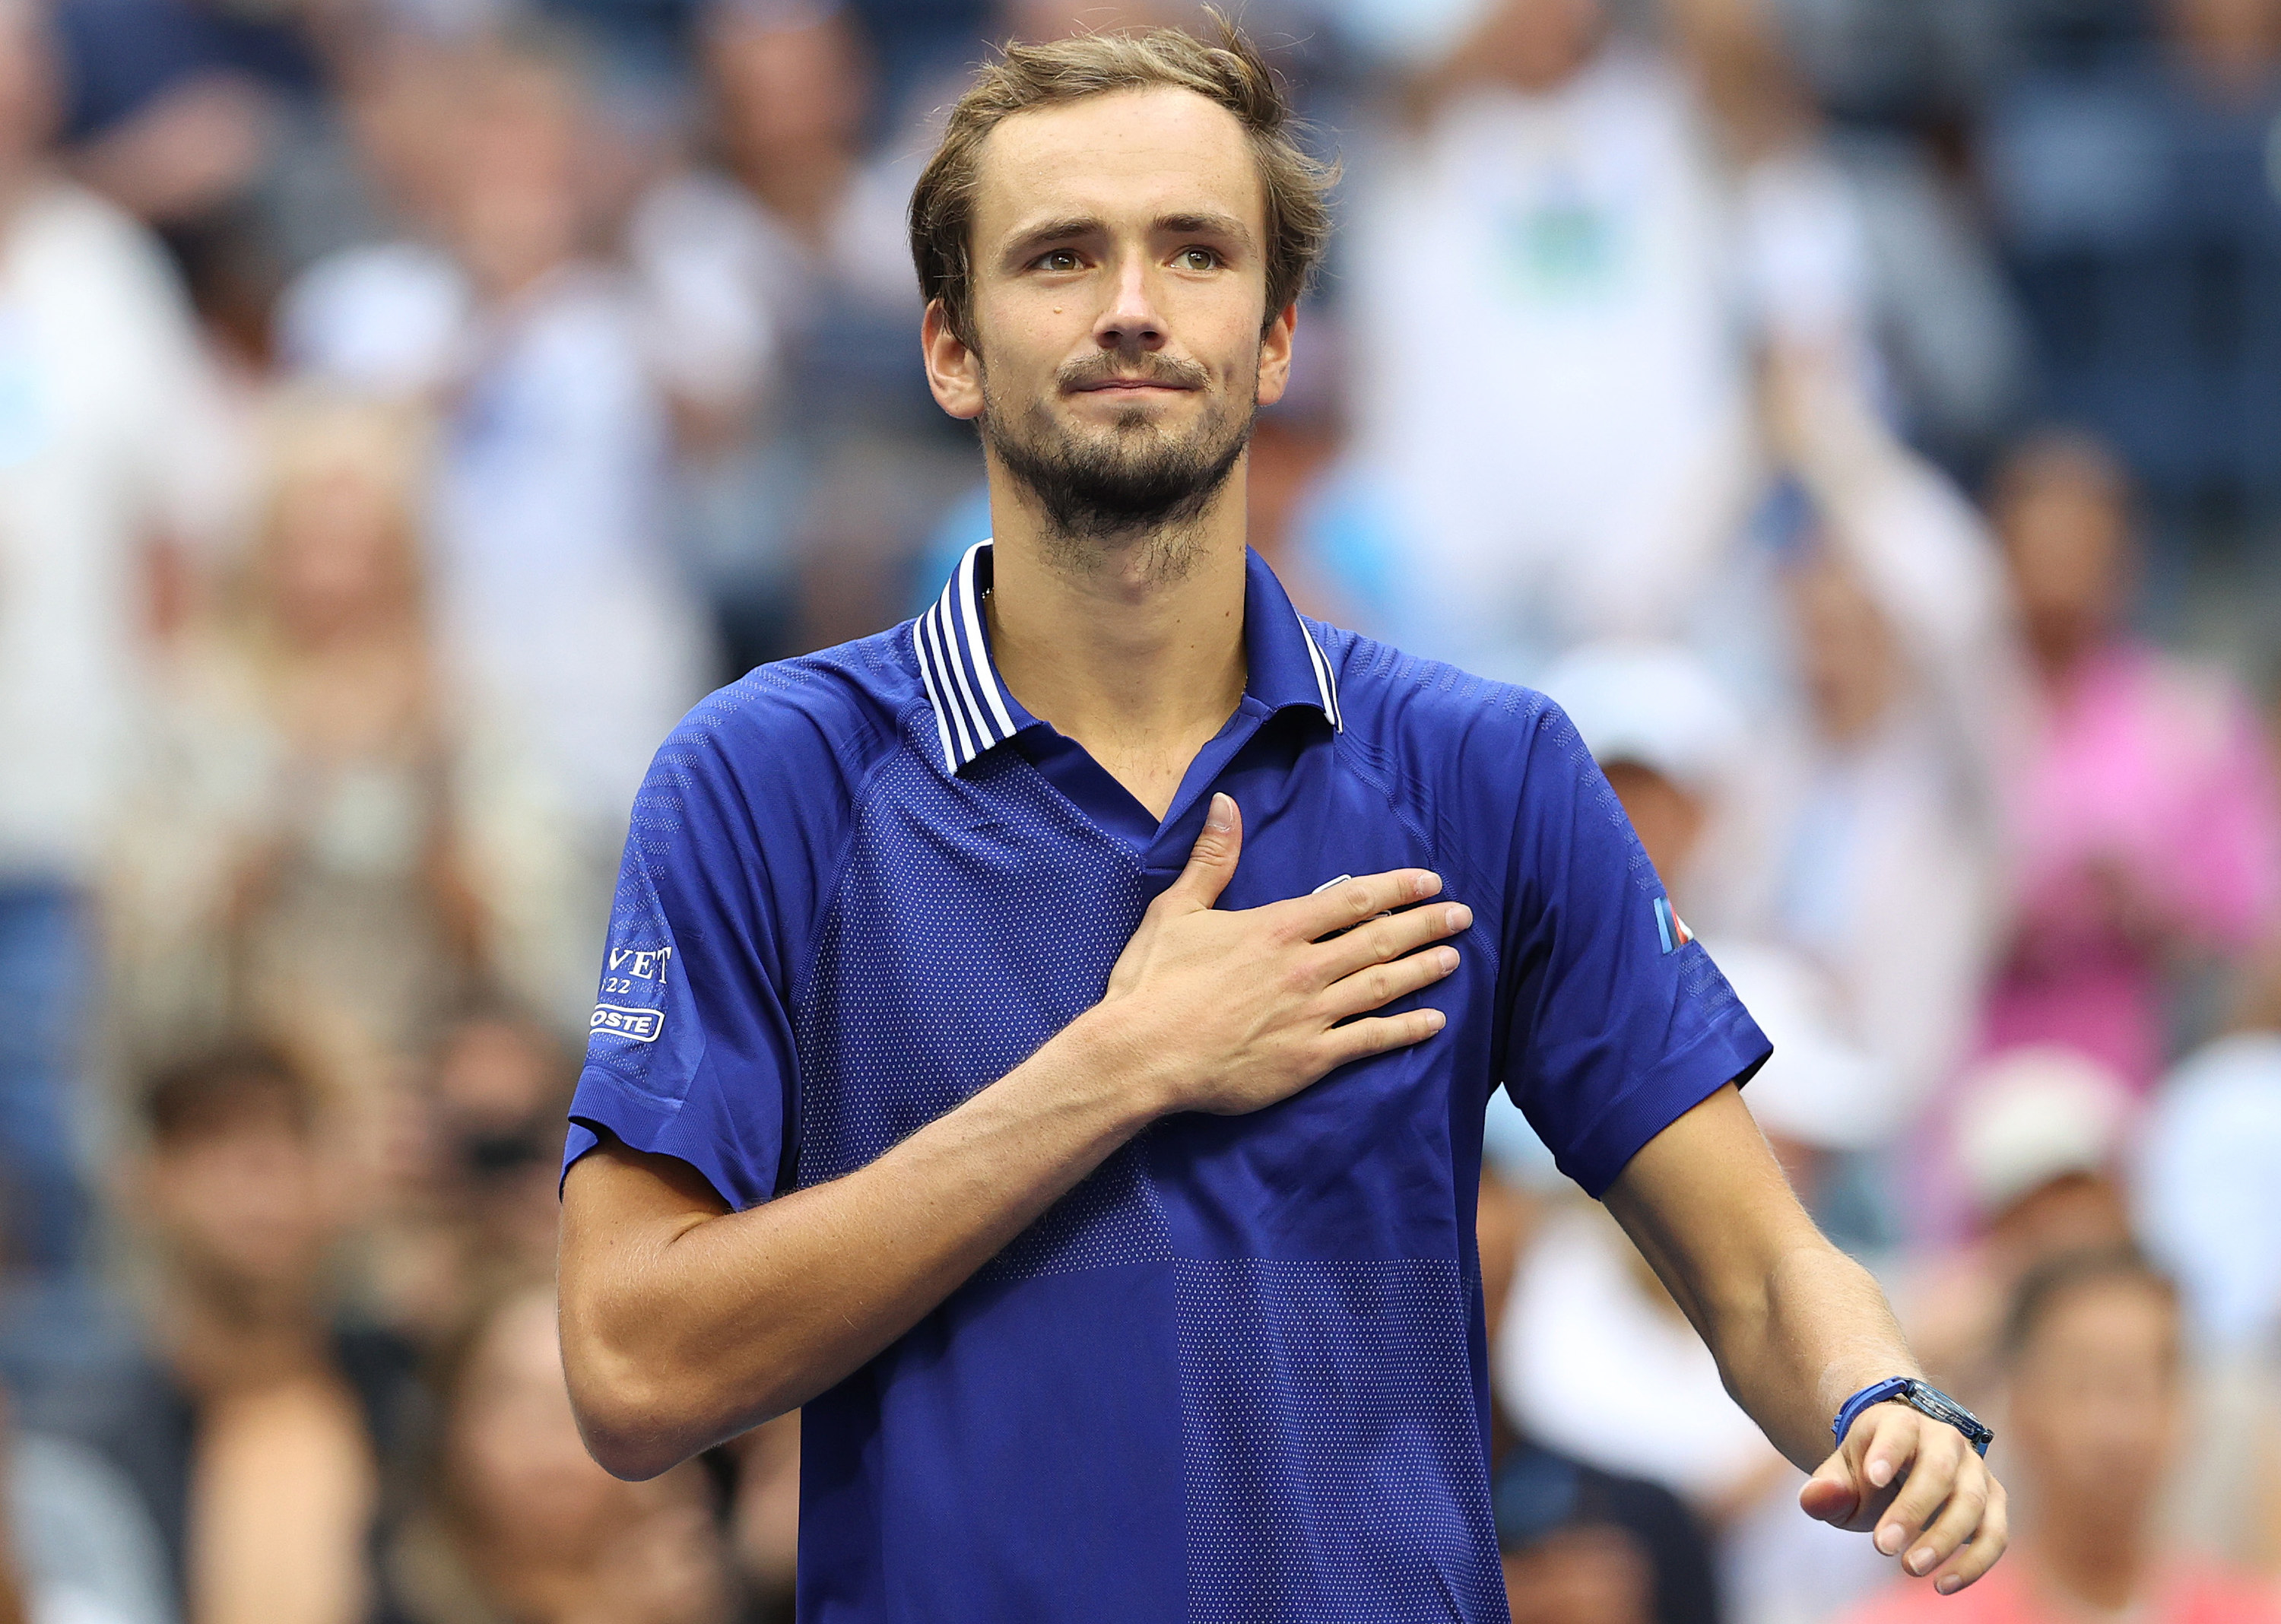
{"type": "Point", "coordinates": [1941, 1407]}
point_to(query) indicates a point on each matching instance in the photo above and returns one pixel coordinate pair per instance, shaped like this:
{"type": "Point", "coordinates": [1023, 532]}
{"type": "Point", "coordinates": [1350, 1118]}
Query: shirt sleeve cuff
{"type": "Point", "coordinates": [604, 1107]}
{"type": "Point", "coordinates": [1731, 1053]}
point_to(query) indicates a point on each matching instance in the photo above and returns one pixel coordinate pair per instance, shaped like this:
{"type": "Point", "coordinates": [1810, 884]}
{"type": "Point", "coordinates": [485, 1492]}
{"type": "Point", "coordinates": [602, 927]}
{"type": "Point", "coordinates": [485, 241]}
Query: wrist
{"type": "Point", "coordinates": [1918, 1394]}
{"type": "Point", "coordinates": [1132, 1064]}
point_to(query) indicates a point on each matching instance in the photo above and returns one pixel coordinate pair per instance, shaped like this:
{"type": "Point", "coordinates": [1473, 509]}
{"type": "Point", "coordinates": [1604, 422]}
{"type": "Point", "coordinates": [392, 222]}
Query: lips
{"type": "Point", "coordinates": [1123, 386]}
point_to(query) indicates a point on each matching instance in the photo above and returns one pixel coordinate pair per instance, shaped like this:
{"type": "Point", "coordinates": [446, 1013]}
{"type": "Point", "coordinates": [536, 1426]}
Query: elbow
{"type": "Point", "coordinates": [631, 1426]}
{"type": "Point", "coordinates": [635, 1413]}
{"type": "Point", "coordinates": [641, 1416]}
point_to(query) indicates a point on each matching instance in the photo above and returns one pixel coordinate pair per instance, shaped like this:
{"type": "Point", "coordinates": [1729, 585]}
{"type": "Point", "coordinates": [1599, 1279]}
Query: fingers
{"type": "Point", "coordinates": [1384, 940]}
{"type": "Point", "coordinates": [1829, 1495]}
{"type": "Point", "coordinates": [1381, 984]}
{"type": "Point", "coordinates": [1987, 1543]}
{"type": "Point", "coordinates": [1360, 1040]}
{"type": "Point", "coordinates": [1211, 860]}
{"type": "Point", "coordinates": [1351, 902]}
{"type": "Point", "coordinates": [1959, 1517]}
{"type": "Point", "coordinates": [1932, 1473]}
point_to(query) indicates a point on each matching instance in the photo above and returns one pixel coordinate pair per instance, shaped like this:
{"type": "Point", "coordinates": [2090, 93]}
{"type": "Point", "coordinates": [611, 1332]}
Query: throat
{"type": "Point", "coordinates": [1142, 674]}
{"type": "Point", "coordinates": [1151, 767]}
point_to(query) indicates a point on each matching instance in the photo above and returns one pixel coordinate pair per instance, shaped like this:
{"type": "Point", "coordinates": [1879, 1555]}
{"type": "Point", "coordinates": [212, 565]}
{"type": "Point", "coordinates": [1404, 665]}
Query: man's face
{"type": "Point", "coordinates": [1119, 299]}
{"type": "Point", "coordinates": [245, 1208]}
{"type": "Point", "coordinates": [2095, 1404]}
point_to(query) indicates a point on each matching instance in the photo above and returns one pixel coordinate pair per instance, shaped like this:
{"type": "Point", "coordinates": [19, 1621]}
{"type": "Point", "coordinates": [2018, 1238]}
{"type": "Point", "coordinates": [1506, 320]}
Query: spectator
{"type": "Point", "coordinates": [2148, 830]}
{"type": "Point", "coordinates": [2134, 193]}
{"type": "Point", "coordinates": [256, 1430]}
{"type": "Point", "coordinates": [1873, 810]}
{"type": "Point", "coordinates": [1536, 306]}
{"type": "Point", "coordinates": [766, 1518]}
{"type": "Point", "coordinates": [1583, 1546]}
{"type": "Point", "coordinates": [76, 1547]}
{"type": "Point", "coordinates": [470, 1209]}
{"type": "Point", "coordinates": [333, 831]}
{"type": "Point", "coordinates": [555, 589]}
{"type": "Point", "coordinates": [2206, 1200]}
{"type": "Point", "coordinates": [779, 282]}
{"type": "Point", "coordinates": [2096, 1377]}
{"type": "Point", "coordinates": [2038, 1138]}
{"type": "Point", "coordinates": [514, 1520]}
{"type": "Point", "coordinates": [114, 456]}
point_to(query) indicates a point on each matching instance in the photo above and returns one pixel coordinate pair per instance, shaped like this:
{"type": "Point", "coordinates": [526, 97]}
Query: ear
{"type": "Point", "coordinates": [1275, 355]}
{"type": "Point", "coordinates": [954, 369]}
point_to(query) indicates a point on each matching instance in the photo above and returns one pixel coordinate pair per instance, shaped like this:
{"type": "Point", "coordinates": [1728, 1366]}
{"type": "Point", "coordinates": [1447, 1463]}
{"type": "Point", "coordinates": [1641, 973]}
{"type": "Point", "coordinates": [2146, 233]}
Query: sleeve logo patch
{"type": "Point", "coordinates": [1670, 926]}
{"type": "Point", "coordinates": [641, 1025]}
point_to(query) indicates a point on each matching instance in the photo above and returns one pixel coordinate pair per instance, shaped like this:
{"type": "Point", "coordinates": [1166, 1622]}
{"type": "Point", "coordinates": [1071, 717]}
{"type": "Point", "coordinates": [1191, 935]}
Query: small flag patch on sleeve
{"type": "Point", "coordinates": [1670, 926]}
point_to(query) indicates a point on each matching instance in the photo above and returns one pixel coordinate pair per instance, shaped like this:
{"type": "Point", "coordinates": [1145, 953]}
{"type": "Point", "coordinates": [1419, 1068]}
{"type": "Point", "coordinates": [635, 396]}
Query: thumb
{"type": "Point", "coordinates": [1829, 1495]}
{"type": "Point", "coordinates": [1212, 861]}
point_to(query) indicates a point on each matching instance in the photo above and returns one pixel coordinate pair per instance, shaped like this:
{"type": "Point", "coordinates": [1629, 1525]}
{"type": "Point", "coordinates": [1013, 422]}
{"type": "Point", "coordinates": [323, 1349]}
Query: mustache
{"type": "Point", "coordinates": [1166, 369]}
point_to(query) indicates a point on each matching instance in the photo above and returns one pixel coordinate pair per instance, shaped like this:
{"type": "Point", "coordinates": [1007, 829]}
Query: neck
{"type": "Point", "coordinates": [1132, 647]}
{"type": "Point", "coordinates": [223, 1341]}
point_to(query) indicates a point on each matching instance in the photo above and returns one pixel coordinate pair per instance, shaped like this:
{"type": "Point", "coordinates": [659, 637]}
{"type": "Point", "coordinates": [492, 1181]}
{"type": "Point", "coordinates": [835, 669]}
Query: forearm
{"type": "Point", "coordinates": [1797, 1327]}
{"type": "Point", "coordinates": [691, 1329]}
{"type": "Point", "coordinates": [1819, 1332]}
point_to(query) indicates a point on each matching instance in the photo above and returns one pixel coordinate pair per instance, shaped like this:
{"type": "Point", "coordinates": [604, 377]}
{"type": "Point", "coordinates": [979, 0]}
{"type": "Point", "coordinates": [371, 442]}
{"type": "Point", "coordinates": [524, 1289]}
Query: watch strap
{"type": "Point", "coordinates": [1920, 1397]}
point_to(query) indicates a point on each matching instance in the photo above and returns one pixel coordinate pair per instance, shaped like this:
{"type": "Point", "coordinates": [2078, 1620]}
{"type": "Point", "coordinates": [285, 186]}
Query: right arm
{"type": "Point", "coordinates": [685, 1323]}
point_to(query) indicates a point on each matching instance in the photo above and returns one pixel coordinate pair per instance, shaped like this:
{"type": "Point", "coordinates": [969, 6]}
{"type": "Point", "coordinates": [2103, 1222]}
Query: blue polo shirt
{"type": "Point", "coordinates": [1237, 1374]}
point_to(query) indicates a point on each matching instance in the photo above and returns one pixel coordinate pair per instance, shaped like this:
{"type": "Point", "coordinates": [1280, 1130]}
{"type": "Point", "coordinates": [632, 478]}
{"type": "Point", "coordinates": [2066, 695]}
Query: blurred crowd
{"type": "Point", "coordinates": [1864, 416]}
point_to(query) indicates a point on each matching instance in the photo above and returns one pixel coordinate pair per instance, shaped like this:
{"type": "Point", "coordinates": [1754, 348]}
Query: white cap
{"type": "Point", "coordinates": [1652, 703]}
{"type": "Point", "coordinates": [2035, 1114]}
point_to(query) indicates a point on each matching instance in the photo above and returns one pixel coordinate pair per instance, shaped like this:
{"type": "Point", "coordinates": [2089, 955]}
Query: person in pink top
{"type": "Point", "coordinates": [2145, 822]}
{"type": "Point", "coordinates": [2097, 1391]}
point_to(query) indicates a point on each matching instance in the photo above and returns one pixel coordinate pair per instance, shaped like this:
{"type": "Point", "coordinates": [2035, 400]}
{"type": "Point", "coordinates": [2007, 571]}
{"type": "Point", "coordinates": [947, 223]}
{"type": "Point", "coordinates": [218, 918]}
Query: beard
{"type": "Point", "coordinates": [1135, 480]}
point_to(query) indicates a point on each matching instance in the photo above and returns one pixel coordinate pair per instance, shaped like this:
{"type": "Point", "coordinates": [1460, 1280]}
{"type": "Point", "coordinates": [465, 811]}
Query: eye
{"type": "Point", "coordinates": [1197, 259]}
{"type": "Point", "coordinates": [1057, 260]}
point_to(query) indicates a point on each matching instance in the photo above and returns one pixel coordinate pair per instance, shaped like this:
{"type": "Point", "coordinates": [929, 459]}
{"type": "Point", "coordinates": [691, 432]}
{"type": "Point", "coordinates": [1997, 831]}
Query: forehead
{"type": "Point", "coordinates": [1122, 156]}
{"type": "Point", "coordinates": [2112, 1316]}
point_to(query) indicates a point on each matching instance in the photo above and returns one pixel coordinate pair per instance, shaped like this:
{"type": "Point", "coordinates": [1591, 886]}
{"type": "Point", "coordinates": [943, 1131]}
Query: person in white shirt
{"type": "Point", "coordinates": [115, 452]}
{"type": "Point", "coordinates": [556, 588]}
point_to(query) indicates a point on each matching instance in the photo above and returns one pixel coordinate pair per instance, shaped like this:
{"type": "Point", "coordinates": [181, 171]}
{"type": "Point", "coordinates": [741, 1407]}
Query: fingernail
{"type": "Point", "coordinates": [1428, 884]}
{"type": "Point", "coordinates": [1435, 1020]}
{"type": "Point", "coordinates": [1948, 1584]}
{"type": "Point", "coordinates": [1220, 818]}
{"type": "Point", "coordinates": [1460, 917]}
{"type": "Point", "coordinates": [1447, 958]}
{"type": "Point", "coordinates": [1880, 1472]}
{"type": "Point", "coordinates": [1920, 1563]}
{"type": "Point", "coordinates": [1888, 1540]}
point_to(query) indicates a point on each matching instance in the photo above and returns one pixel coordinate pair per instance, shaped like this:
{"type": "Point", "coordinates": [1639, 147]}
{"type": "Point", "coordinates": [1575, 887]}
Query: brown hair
{"type": "Point", "coordinates": [1228, 72]}
{"type": "Point", "coordinates": [2056, 1279]}
{"type": "Point", "coordinates": [220, 1090]}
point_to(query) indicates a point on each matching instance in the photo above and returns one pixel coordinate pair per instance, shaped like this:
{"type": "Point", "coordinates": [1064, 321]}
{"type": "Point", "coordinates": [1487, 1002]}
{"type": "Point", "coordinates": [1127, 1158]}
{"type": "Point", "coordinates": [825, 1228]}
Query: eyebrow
{"type": "Point", "coordinates": [1034, 238]}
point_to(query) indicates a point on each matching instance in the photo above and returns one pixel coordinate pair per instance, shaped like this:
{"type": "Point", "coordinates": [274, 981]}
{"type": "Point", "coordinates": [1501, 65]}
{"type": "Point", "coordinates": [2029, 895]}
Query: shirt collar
{"type": "Point", "coordinates": [973, 712]}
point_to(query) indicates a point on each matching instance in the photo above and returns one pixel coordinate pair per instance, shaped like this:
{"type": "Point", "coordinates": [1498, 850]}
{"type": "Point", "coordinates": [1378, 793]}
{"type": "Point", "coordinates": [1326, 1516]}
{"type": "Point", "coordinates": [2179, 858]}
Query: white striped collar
{"type": "Point", "coordinates": [974, 713]}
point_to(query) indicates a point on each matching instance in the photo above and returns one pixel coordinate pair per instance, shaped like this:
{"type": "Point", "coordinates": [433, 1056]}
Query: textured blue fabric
{"type": "Point", "coordinates": [1238, 1373]}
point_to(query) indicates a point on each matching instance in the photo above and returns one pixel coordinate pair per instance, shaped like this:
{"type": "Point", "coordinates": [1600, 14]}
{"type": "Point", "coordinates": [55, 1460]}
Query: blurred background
{"type": "Point", "coordinates": [1863, 415]}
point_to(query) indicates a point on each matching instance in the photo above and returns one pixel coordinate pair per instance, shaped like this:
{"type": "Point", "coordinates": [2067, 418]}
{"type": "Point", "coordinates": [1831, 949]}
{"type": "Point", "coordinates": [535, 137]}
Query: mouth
{"type": "Point", "coordinates": [1132, 387]}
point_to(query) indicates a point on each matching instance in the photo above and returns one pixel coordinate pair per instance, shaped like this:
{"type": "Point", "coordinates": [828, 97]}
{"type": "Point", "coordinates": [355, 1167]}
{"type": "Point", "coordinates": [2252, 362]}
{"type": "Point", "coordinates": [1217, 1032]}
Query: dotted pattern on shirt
{"type": "Point", "coordinates": [1331, 1444]}
{"type": "Point", "coordinates": [950, 951]}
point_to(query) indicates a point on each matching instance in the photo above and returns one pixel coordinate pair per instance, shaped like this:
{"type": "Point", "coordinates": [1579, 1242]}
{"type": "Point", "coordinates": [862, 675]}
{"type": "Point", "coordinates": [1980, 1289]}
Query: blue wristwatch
{"type": "Point", "coordinates": [1918, 1396]}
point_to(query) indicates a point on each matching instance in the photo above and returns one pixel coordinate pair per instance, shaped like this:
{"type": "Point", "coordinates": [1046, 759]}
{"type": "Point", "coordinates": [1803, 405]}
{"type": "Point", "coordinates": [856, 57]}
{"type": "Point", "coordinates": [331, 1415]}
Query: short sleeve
{"type": "Point", "coordinates": [690, 1052]}
{"type": "Point", "coordinates": [1620, 1021]}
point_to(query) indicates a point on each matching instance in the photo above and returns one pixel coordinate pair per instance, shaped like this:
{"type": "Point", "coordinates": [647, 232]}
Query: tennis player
{"type": "Point", "coordinates": [1048, 1042]}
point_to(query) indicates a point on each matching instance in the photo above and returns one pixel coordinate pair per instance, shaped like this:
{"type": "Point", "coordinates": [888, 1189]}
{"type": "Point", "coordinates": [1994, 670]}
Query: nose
{"type": "Point", "coordinates": [1130, 322]}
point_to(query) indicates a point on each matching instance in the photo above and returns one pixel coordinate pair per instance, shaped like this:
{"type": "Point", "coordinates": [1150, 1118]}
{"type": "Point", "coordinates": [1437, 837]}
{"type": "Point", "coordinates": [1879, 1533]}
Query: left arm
{"type": "Point", "coordinates": [1797, 1327]}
